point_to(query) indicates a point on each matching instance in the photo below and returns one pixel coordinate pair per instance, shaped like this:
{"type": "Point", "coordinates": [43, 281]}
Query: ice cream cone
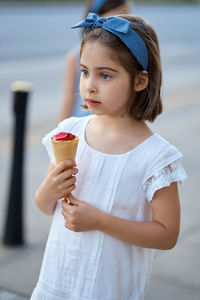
{"type": "Point", "coordinates": [64, 150]}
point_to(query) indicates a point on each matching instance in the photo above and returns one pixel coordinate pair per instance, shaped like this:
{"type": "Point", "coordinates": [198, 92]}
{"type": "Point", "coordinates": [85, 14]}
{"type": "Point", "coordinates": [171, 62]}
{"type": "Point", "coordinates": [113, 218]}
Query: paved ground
{"type": "Point", "coordinates": [176, 272]}
{"type": "Point", "coordinates": [6, 295]}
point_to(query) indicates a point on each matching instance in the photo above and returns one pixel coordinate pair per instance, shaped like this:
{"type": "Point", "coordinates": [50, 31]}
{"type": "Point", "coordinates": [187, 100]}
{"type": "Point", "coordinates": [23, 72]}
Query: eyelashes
{"type": "Point", "coordinates": [85, 73]}
{"type": "Point", "coordinates": [105, 76]}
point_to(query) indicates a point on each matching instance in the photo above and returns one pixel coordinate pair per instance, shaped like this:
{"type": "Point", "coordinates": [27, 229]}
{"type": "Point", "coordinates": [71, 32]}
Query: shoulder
{"type": "Point", "coordinates": [72, 62]}
{"type": "Point", "coordinates": [73, 54]}
{"type": "Point", "coordinates": [160, 154]}
{"type": "Point", "coordinates": [162, 148]}
{"type": "Point", "coordinates": [169, 148]}
{"type": "Point", "coordinates": [76, 123]}
{"type": "Point", "coordinates": [73, 124]}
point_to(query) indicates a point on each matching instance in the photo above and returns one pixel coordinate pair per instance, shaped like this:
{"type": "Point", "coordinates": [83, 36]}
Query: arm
{"type": "Point", "coordinates": [160, 233]}
{"type": "Point", "coordinates": [58, 183]}
{"type": "Point", "coordinates": [69, 86]}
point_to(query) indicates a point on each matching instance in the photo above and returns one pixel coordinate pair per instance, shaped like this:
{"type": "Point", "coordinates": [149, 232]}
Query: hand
{"type": "Point", "coordinates": [79, 215]}
{"type": "Point", "coordinates": [60, 181]}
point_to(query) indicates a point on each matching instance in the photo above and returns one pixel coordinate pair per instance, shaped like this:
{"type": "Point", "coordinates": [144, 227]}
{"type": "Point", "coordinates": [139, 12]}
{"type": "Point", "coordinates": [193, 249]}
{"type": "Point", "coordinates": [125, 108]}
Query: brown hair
{"type": "Point", "coordinates": [146, 104]}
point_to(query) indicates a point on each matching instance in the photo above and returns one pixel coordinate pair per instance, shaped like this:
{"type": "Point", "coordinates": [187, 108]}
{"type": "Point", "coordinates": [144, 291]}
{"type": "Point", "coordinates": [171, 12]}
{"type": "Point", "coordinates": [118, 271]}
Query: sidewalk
{"type": "Point", "coordinates": [6, 295]}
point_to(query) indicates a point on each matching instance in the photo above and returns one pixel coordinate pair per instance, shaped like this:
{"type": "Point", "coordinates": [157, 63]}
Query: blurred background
{"type": "Point", "coordinates": [34, 39]}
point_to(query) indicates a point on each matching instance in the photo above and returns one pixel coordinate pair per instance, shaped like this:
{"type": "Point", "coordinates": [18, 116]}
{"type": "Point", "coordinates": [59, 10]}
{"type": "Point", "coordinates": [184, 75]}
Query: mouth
{"type": "Point", "coordinates": [93, 102]}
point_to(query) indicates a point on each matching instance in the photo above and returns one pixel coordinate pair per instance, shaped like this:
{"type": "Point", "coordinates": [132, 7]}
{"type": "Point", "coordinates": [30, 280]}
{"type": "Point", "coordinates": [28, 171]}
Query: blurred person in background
{"type": "Point", "coordinates": [71, 102]}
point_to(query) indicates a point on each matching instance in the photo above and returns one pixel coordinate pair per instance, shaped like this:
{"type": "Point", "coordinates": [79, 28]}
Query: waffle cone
{"type": "Point", "coordinates": [65, 150]}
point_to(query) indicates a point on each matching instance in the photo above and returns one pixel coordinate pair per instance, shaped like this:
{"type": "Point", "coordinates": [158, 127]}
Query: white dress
{"type": "Point", "coordinates": [92, 265]}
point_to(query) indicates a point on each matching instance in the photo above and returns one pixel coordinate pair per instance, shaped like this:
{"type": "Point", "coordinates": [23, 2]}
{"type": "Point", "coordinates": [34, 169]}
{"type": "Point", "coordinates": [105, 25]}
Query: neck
{"type": "Point", "coordinates": [117, 123]}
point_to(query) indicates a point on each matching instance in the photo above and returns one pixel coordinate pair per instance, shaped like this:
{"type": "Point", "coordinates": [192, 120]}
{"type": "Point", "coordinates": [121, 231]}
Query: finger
{"type": "Point", "coordinates": [65, 215]}
{"type": "Point", "coordinates": [68, 190]}
{"type": "Point", "coordinates": [67, 174]}
{"type": "Point", "coordinates": [67, 183]}
{"type": "Point", "coordinates": [67, 208]}
{"type": "Point", "coordinates": [66, 187]}
{"type": "Point", "coordinates": [64, 165]}
{"type": "Point", "coordinates": [67, 225]}
{"type": "Point", "coordinates": [65, 205]}
{"type": "Point", "coordinates": [73, 200]}
{"type": "Point", "coordinates": [61, 183]}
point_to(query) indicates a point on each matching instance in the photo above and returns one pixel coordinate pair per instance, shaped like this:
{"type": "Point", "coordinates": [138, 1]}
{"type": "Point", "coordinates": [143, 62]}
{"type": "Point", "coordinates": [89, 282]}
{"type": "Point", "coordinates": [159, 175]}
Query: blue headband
{"type": "Point", "coordinates": [121, 28]}
{"type": "Point", "coordinates": [97, 5]}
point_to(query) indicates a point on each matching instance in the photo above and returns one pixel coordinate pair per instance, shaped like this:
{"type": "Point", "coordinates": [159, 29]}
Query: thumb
{"type": "Point", "coordinates": [73, 200]}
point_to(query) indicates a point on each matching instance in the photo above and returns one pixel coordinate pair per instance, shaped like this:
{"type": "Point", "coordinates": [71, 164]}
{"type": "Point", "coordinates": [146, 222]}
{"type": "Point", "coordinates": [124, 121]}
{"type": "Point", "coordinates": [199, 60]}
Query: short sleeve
{"type": "Point", "coordinates": [173, 172]}
{"type": "Point", "coordinates": [62, 126]}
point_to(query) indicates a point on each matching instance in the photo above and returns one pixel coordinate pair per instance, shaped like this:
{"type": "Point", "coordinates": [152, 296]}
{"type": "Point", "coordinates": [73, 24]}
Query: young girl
{"type": "Point", "coordinates": [71, 103]}
{"type": "Point", "coordinates": [123, 201]}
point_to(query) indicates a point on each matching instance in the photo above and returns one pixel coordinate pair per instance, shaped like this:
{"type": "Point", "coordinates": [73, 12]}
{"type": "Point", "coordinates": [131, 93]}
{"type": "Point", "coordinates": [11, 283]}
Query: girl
{"type": "Point", "coordinates": [125, 202]}
{"type": "Point", "coordinates": [71, 103]}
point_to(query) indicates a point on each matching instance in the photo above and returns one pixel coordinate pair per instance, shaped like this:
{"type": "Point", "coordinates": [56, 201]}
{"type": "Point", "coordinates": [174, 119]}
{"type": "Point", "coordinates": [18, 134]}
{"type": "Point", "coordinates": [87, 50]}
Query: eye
{"type": "Point", "coordinates": [105, 76]}
{"type": "Point", "coordinates": [85, 72]}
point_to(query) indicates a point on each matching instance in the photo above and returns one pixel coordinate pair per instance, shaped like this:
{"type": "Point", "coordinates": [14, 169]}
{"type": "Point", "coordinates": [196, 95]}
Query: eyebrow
{"type": "Point", "coordinates": [101, 68]}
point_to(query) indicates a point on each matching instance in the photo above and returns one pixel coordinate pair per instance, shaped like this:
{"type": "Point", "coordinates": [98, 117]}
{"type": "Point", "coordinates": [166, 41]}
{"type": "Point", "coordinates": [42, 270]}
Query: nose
{"type": "Point", "coordinates": [91, 85]}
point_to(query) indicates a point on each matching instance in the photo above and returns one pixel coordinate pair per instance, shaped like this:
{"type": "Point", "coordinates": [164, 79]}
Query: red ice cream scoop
{"type": "Point", "coordinates": [63, 136]}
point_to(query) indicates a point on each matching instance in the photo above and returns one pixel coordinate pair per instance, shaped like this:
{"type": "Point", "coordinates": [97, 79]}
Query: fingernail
{"type": "Point", "coordinates": [75, 171]}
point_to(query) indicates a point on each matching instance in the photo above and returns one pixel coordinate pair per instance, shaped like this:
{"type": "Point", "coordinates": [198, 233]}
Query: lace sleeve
{"type": "Point", "coordinates": [173, 172]}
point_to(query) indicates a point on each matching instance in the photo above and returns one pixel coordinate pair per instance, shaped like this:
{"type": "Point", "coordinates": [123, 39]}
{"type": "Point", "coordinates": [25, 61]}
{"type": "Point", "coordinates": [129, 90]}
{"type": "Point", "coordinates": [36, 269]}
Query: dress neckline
{"type": "Point", "coordinates": [110, 154]}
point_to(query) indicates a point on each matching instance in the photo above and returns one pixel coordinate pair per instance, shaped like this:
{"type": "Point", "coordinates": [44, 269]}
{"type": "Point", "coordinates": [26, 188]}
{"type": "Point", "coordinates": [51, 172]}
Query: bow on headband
{"type": "Point", "coordinates": [121, 28]}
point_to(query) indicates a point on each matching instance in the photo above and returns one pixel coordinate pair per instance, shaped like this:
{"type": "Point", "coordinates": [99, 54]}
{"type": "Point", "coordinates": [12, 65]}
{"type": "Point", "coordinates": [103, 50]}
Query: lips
{"type": "Point", "coordinates": [93, 103]}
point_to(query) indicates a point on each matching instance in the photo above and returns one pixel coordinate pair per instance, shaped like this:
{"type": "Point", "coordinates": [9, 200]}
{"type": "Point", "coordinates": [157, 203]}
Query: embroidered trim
{"type": "Point", "coordinates": [173, 172]}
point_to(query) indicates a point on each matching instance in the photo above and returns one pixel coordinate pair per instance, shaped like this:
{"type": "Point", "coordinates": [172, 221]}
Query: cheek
{"type": "Point", "coordinates": [122, 91]}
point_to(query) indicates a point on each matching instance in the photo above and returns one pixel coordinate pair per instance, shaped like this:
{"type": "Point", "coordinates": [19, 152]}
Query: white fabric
{"type": "Point", "coordinates": [174, 172]}
{"type": "Point", "coordinates": [92, 265]}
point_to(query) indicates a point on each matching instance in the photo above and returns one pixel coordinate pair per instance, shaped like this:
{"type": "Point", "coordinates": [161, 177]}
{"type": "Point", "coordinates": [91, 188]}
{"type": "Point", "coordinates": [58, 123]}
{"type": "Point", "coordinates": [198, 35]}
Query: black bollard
{"type": "Point", "coordinates": [14, 231]}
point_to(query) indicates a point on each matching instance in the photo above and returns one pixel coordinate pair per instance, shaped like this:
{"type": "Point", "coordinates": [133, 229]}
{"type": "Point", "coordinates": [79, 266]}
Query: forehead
{"type": "Point", "coordinates": [97, 52]}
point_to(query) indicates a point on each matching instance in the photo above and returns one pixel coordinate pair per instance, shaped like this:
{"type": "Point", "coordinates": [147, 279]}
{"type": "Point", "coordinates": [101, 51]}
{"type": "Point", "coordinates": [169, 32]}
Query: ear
{"type": "Point", "coordinates": [141, 81]}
